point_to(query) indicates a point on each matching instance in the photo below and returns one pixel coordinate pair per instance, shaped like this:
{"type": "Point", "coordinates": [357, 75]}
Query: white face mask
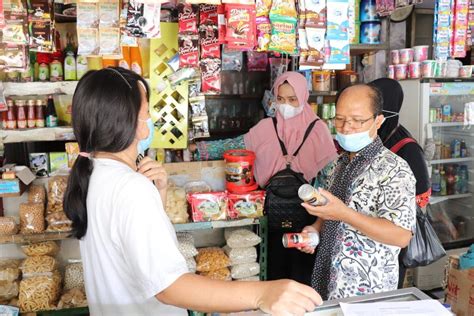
{"type": "Point", "coordinates": [288, 111]}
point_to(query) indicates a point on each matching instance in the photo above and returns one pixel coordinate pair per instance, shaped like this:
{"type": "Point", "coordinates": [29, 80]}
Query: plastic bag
{"type": "Point", "coordinates": [37, 194]}
{"type": "Point", "coordinates": [73, 298]}
{"type": "Point", "coordinates": [241, 255]}
{"type": "Point", "coordinates": [39, 293]}
{"type": "Point", "coordinates": [9, 310]}
{"type": "Point", "coordinates": [219, 274]}
{"type": "Point", "coordinates": [252, 278]}
{"type": "Point", "coordinates": [211, 259]}
{"type": "Point", "coordinates": [8, 226]}
{"type": "Point", "coordinates": [73, 276]}
{"type": "Point", "coordinates": [46, 248]}
{"type": "Point", "coordinates": [245, 270]}
{"type": "Point", "coordinates": [9, 269]}
{"type": "Point", "coordinates": [8, 290]}
{"type": "Point", "coordinates": [187, 249]}
{"type": "Point", "coordinates": [425, 246]}
{"type": "Point", "coordinates": [31, 218]}
{"type": "Point", "coordinates": [38, 266]}
{"type": "Point", "coordinates": [243, 238]}
{"type": "Point", "coordinates": [191, 263]}
{"type": "Point", "coordinates": [58, 222]}
{"type": "Point", "coordinates": [56, 189]}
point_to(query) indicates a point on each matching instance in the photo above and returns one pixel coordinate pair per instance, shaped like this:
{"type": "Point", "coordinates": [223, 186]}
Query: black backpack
{"type": "Point", "coordinates": [282, 204]}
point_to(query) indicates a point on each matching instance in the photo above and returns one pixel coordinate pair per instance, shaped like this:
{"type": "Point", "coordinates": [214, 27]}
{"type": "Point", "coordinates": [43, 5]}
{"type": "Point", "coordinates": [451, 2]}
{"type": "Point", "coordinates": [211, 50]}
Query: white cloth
{"type": "Point", "coordinates": [130, 249]}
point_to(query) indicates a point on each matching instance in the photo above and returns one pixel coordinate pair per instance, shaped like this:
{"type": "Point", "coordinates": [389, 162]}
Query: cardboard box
{"type": "Point", "coordinates": [16, 187]}
{"type": "Point", "coordinates": [459, 291]}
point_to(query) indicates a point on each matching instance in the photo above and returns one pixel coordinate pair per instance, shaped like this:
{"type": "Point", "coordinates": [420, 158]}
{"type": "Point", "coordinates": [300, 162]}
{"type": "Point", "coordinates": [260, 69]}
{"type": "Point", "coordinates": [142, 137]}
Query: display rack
{"type": "Point", "coordinates": [23, 239]}
{"type": "Point", "coordinates": [36, 135]}
{"type": "Point", "coordinates": [438, 199]}
{"type": "Point", "coordinates": [451, 160]}
{"type": "Point", "coordinates": [39, 88]}
{"type": "Point", "coordinates": [361, 49]}
{"type": "Point", "coordinates": [447, 124]}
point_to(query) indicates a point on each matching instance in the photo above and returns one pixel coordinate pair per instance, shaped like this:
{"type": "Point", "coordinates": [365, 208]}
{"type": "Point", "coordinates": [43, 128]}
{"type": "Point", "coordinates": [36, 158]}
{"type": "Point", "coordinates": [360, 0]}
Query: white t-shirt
{"type": "Point", "coordinates": [130, 249]}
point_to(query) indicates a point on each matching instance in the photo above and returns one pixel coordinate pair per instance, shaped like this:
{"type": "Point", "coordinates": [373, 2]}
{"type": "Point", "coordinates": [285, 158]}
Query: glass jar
{"type": "Point", "coordinates": [321, 80]}
{"type": "Point", "coordinates": [40, 113]}
{"type": "Point", "coordinates": [20, 114]}
{"type": "Point", "coordinates": [11, 115]}
{"type": "Point", "coordinates": [31, 118]}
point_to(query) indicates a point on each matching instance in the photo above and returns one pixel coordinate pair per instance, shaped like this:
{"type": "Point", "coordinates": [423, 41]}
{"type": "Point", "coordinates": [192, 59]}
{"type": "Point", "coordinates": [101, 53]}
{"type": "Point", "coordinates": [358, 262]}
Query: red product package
{"type": "Point", "coordinates": [207, 14]}
{"type": "Point", "coordinates": [188, 51]}
{"type": "Point", "coordinates": [247, 205]}
{"type": "Point", "coordinates": [240, 30]}
{"type": "Point", "coordinates": [211, 75]}
{"type": "Point", "coordinates": [221, 23]}
{"type": "Point", "coordinates": [209, 37]}
{"type": "Point", "coordinates": [206, 207]}
{"type": "Point", "coordinates": [188, 18]}
{"type": "Point", "coordinates": [257, 61]}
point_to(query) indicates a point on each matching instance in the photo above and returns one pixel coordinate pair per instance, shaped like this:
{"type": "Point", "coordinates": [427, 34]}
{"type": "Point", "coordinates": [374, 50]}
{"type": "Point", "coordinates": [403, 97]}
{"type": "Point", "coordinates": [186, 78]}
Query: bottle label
{"type": "Point", "coordinates": [136, 68]}
{"type": "Point", "coordinates": [51, 121]}
{"type": "Point", "coordinates": [21, 124]}
{"type": "Point", "coordinates": [39, 123]}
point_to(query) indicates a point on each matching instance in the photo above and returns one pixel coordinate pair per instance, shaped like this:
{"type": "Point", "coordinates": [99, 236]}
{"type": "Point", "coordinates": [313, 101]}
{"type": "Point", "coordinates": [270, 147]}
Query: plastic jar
{"type": "Point", "coordinates": [239, 171]}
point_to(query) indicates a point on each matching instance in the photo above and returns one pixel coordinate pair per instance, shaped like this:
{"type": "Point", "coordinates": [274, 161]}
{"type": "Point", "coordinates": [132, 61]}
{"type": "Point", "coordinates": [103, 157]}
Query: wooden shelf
{"type": "Point", "coordinates": [36, 135]}
{"type": "Point", "coordinates": [39, 88]}
{"type": "Point", "coordinates": [46, 236]}
{"type": "Point", "coordinates": [361, 49]}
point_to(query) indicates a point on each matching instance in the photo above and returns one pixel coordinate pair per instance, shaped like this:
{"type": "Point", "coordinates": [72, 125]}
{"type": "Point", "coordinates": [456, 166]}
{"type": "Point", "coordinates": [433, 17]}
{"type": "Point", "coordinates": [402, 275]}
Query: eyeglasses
{"type": "Point", "coordinates": [356, 124]}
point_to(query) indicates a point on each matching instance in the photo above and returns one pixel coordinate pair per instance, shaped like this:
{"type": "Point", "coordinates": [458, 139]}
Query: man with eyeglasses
{"type": "Point", "coordinates": [370, 211]}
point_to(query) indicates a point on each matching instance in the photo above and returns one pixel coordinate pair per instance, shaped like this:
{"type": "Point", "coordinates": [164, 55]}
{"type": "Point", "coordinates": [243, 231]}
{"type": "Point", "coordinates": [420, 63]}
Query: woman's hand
{"type": "Point", "coordinates": [154, 171]}
{"type": "Point", "coordinates": [333, 210]}
{"type": "Point", "coordinates": [307, 249]}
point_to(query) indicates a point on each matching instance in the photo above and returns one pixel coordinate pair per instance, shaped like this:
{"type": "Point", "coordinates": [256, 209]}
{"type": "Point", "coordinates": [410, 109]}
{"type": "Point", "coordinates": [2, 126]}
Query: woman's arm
{"type": "Point", "coordinates": [214, 150]}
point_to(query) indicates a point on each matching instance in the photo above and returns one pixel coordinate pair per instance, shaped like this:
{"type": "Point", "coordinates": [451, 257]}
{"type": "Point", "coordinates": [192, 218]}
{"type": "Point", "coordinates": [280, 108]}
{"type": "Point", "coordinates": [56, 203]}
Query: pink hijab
{"type": "Point", "coordinates": [317, 151]}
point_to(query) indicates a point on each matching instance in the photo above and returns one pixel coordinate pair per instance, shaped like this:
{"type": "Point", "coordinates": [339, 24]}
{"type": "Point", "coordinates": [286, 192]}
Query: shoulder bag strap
{"type": "Point", "coordinates": [282, 145]}
{"type": "Point", "coordinates": [306, 134]}
{"type": "Point", "coordinates": [395, 148]}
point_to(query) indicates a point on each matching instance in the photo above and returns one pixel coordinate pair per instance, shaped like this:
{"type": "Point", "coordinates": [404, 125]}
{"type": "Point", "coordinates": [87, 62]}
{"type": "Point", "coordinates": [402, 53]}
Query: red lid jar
{"type": "Point", "coordinates": [239, 171]}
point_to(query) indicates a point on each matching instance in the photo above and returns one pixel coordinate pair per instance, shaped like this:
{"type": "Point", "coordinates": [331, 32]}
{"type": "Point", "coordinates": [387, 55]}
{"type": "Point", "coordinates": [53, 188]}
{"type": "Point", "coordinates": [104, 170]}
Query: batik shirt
{"type": "Point", "coordinates": [384, 189]}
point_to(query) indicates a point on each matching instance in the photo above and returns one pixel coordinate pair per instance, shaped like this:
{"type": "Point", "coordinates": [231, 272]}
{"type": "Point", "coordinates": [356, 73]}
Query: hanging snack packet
{"type": "Point", "coordinates": [201, 127]}
{"type": "Point", "coordinates": [211, 75]}
{"type": "Point", "coordinates": [194, 88]}
{"type": "Point", "coordinates": [208, 14]}
{"type": "Point", "coordinates": [13, 56]}
{"type": "Point", "coordinates": [15, 32]}
{"type": "Point", "coordinates": [263, 7]}
{"type": "Point", "coordinates": [315, 13]}
{"type": "Point", "coordinates": [277, 67]}
{"type": "Point", "coordinates": [209, 37]}
{"type": "Point", "coordinates": [173, 62]}
{"type": "Point", "coordinates": [246, 2]}
{"type": "Point", "coordinates": [188, 51]}
{"type": "Point", "coordinates": [257, 61]}
{"type": "Point", "coordinates": [221, 23]}
{"type": "Point", "coordinates": [264, 31]}
{"type": "Point", "coordinates": [109, 41]}
{"type": "Point", "coordinates": [283, 8]}
{"type": "Point", "coordinates": [187, 18]}
{"type": "Point", "coordinates": [337, 20]}
{"type": "Point", "coordinates": [41, 36]}
{"type": "Point", "coordinates": [301, 13]}
{"type": "Point", "coordinates": [181, 75]}
{"type": "Point", "coordinates": [88, 40]}
{"type": "Point", "coordinates": [87, 14]}
{"type": "Point", "coordinates": [232, 60]}
{"type": "Point", "coordinates": [109, 13]}
{"type": "Point", "coordinates": [283, 38]}
{"type": "Point", "coordinates": [215, 2]}
{"type": "Point", "coordinates": [2, 16]}
{"type": "Point", "coordinates": [143, 20]}
{"type": "Point", "coordinates": [316, 40]}
{"type": "Point", "coordinates": [303, 45]}
{"type": "Point", "coordinates": [198, 106]}
{"type": "Point", "coordinates": [39, 9]}
{"type": "Point", "coordinates": [240, 32]}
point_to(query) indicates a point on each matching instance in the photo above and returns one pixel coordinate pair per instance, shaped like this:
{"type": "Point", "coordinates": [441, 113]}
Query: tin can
{"type": "Point", "coordinates": [297, 240]}
{"type": "Point", "coordinates": [326, 111]}
{"type": "Point", "coordinates": [433, 118]}
{"type": "Point", "coordinates": [310, 195]}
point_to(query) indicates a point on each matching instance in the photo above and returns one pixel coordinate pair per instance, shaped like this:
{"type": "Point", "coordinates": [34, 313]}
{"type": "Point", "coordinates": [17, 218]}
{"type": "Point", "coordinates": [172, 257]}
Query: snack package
{"type": "Point", "coordinates": [208, 206]}
{"type": "Point", "coordinates": [176, 206]}
{"type": "Point", "coordinates": [283, 8]}
{"type": "Point", "coordinates": [39, 9]}
{"type": "Point", "coordinates": [191, 263]}
{"type": "Point", "coordinates": [8, 290]}
{"type": "Point", "coordinates": [232, 60]}
{"type": "Point", "coordinates": [242, 238]}
{"type": "Point", "coordinates": [31, 218]}
{"type": "Point", "coordinates": [249, 205]}
{"type": "Point", "coordinates": [268, 103]}
{"type": "Point", "coordinates": [58, 222]}
{"type": "Point", "coordinates": [41, 36]}
{"type": "Point", "coordinates": [198, 107]}
{"type": "Point", "coordinates": [109, 41]}
{"type": "Point", "coordinates": [221, 23]}
{"type": "Point", "coordinates": [58, 162]}
{"type": "Point", "coordinates": [200, 127]}
{"type": "Point", "coordinates": [264, 32]}
{"type": "Point", "coordinates": [208, 14]}
{"type": "Point", "coordinates": [283, 38]}
{"type": "Point", "coordinates": [109, 13]}
{"type": "Point", "coordinates": [45, 248]}
{"type": "Point", "coordinates": [143, 19]}
{"type": "Point", "coordinates": [39, 293]}
{"type": "Point", "coordinates": [245, 270]}
{"type": "Point", "coordinates": [39, 164]}
{"type": "Point", "coordinates": [75, 297]}
{"type": "Point", "coordinates": [15, 32]}
{"type": "Point", "coordinates": [187, 248]}
{"type": "Point", "coordinates": [241, 255]}
{"type": "Point", "coordinates": [219, 274]}
{"type": "Point", "coordinates": [301, 6]}
{"type": "Point", "coordinates": [211, 75]}
{"type": "Point", "coordinates": [337, 20]}
{"type": "Point", "coordinates": [240, 31]}
{"type": "Point", "coordinates": [8, 226]}
{"type": "Point", "coordinates": [187, 18]}
{"type": "Point", "coordinates": [315, 13]}
{"type": "Point", "coordinates": [13, 56]}
{"type": "Point", "coordinates": [277, 67]}
{"type": "Point", "coordinates": [188, 51]}
{"type": "Point", "coordinates": [56, 189]}
{"type": "Point", "coordinates": [209, 39]}
{"type": "Point", "coordinates": [87, 14]}
{"type": "Point", "coordinates": [73, 276]}
{"type": "Point", "coordinates": [194, 88]}
{"type": "Point", "coordinates": [211, 259]}
{"type": "Point", "coordinates": [340, 52]}
{"type": "Point", "coordinates": [72, 151]}
{"type": "Point", "coordinates": [88, 39]}
{"type": "Point", "coordinates": [315, 46]}
{"type": "Point", "coordinates": [37, 194]}
{"type": "Point", "coordinates": [257, 61]}
{"type": "Point", "coordinates": [9, 270]}
{"type": "Point", "coordinates": [38, 266]}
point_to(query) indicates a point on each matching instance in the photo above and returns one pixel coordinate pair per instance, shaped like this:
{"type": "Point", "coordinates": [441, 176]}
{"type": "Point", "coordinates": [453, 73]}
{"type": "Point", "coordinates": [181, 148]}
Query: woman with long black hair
{"type": "Point", "coordinates": [132, 265]}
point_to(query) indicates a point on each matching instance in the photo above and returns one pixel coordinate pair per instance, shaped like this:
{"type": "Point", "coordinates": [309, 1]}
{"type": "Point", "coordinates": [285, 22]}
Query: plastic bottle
{"type": "Point", "coordinates": [450, 181]}
{"type": "Point", "coordinates": [463, 148]}
{"type": "Point", "coordinates": [125, 61]}
{"type": "Point", "coordinates": [81, 66]}
{"type": "Point", "coordinates": [136, 60]}
{"type": "Point", "coordinates": [436, 182]}
{"type": "Point", "coordinates": [443, 184]}
{"type": "Point", "coordinates": [456, 148]}
{"type": "Point", "coordinates": [70, 70]}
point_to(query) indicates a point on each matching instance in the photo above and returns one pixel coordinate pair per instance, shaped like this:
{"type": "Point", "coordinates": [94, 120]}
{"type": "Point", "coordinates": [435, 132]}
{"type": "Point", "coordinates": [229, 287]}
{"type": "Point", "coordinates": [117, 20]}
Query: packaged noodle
{"type": "Point", "coordinates": [248, 205]}
{"type": "Point", "coordinates": [38, 266]}
{"type": "Point", "coordinates": [211, 259]}
{"type": "Point", "coordinates": [40, 293]}
{"type": "Point", "coordinates": [45, 248]}
{"type": "Point", "coordinates": [283, 38]}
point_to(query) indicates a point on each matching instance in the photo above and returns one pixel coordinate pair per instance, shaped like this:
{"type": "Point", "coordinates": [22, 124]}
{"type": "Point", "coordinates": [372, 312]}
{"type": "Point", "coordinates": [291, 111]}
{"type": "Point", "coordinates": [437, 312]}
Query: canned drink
{"type": "Point", "coordinates": [326, 111]}
{"type": "Point", "coordinates": [432, 115]}
{"type": "Point", "coordinates": [310, 195]}
{"type": "Point", "coordinates": [297, 240]}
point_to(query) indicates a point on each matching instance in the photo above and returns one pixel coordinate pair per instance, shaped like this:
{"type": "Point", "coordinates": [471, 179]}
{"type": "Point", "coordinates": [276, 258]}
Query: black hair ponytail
{"type": "Point", "coordinates": [105, 110]}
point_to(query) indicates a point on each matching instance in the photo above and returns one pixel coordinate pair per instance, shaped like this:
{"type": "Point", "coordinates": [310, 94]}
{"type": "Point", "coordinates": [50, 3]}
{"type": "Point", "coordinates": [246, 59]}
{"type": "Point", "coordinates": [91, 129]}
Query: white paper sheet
{"type": "Point", "coordinates": [413, 308]}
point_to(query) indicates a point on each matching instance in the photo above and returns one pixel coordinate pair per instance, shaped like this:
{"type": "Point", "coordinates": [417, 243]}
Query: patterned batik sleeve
{"type": "Point", "coordinates": [214, 150]}
{"type": "Point", "coordinates": [397, 201]}
{"type": "Point", "coordinates": [323, 177]}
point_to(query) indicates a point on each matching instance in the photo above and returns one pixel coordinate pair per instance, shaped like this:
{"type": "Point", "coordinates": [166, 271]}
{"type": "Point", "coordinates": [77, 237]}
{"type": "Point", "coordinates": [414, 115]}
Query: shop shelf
{"type": "Point", "coordinates": [39, 88]}
{"type": "Point", "coordinates": [438, 199]}
{"type": "Point", "coordinates": [451, 160]}
{"type": "Point", "coordinates": [36, 135]}
{"type": "Point", "coordinates": [322, 93]}
{"type": "Point", "coordinates": [66, 312]}
{"type": "Point", "coordinates": [215, 224]}
{"type": "Point", "coordinates": [447, 124]}
{"type": "Point", "coordinates": [20, 239]}
{"type": "Point", "coordinates": [360, 49]}
{"type": "Point", "coordinates": [233, 96]}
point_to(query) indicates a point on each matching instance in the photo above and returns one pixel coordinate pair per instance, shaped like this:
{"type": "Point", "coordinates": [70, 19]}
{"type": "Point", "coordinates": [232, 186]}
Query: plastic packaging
{"type": "Point", "coordinates": [187, 248]}
{"type": "Point", "coordinates": [197, 187]}
{"type": "Point", "coordinates": [245, 270]}
{"type": "Point", "coordinates": [222, 274]}
{"type": "Point", "coordinates": [211, 259]}
{"type": "Point", "coordinates": [8, 226]}
{"type": "Point", "coordinates": [208, 206]}
{"type": "Point", "coordinates": [176, 206]}
{"type": "Point", "coordinates": [191, 263]}
{"type": "Point", "coordinates": [58, 222]}
{"type": "Point", "coordinates": [45, 248]}
{"type": "Point", "coordinates": [38, 266]}
{"type": "Point", "coordinates": [73, 276]}
{"type": "Point", "coordinates": [420, 53]}
{"type": "Point", "coordinates": [406, 55]}
{"type": "Point", "coordinates": [401, 71]}
{"type": "Point", "coordinates": [73, 298]}
{"type": "Point", "coordinates": [414, 70]}
{"type": "Point", "coordinates": [394, 56]}
{"type": "Point", "coordinates": [370, 32]}
{"type": "Point", "coordinates": [9, 270]}
{"type": "Point", "coordinates": [243, 238]}
{"type": "Point", "coordinates": [428, 68]}
{"type": "Point", "coordinates": [37, 194]}
{"type": "Point", "coordinates": [8, 290]}
{"type": "Point", "coordinates": [241, 255]}
{"type": "Point", "coordinates": [31, 218]}
{"type": "Point", "coordinates": [39, 293]}
{"type": "Point", "coordinates": [56, 189]}
{"type": "Point", "coordinates": [246, 205]}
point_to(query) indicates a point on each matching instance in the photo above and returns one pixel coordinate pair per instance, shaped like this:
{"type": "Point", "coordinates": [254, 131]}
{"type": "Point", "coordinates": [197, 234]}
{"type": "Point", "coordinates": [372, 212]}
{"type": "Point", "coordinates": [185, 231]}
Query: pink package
{"type": "Point", "coordinates": [391, 71]}
{"type": "Point", "coordinates": [406, 55]}
{"type": "Point", "coordinates": [401, 71]}
{"type": "Point", "coordinates": [395, 57]}
{"type": "Point", "coordinates": [420, 53]}
{"type": "Point", "coordinates": [414, 70]}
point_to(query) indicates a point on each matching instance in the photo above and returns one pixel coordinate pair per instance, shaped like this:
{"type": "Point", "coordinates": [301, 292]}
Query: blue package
{"type": "Point", "coordinates": [370, 32]}
{"type": "Point", "coordinates": [340, 52]}
{"type": "Point", "coordinates": [337, 20]}
{"type": "Point", "coordinates": [466, 260]}
{"type": "Point", "coordinates": [368, 11]}
{"type": "Point", "coordinates": [6, 310]}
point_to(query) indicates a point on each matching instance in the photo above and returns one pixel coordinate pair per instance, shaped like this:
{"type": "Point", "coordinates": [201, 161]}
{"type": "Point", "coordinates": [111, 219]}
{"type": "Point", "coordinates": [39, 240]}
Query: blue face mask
{"type": "Point", "coordinates": [144, 144]}
{"type": "Point", "coordinates": [354, 142]}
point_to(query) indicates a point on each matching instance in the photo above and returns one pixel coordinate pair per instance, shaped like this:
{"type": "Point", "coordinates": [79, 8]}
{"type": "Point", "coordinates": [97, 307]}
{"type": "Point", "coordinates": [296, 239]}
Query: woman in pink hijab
{"type": "Point", "coordinates": [294, 115]}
